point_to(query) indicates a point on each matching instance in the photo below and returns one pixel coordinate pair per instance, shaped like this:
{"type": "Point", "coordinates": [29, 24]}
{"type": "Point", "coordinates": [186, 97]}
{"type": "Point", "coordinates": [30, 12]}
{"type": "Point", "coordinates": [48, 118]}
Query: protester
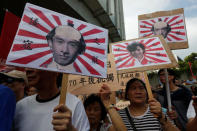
{"type": "Point", "coordinates": [180, 98]}
{"type": "Point", "coordinates": [17, 81]}
{"type": "Point", "coordinates": [142, 109]}
{"type": "Point", "coordinates": [7, 108]}
{"type": "Point", "coordinates": [35, 113]}
{"type": "Point", "coordinates": [97, 114]}
{"type": "Point", "coordinates": [191, 115]}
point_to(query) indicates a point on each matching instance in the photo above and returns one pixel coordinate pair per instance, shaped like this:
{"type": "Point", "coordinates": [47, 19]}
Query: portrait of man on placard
{"type": "Point", "coordinates": [161, 28]}
{"type": "Point", "coordinates": [66, 43]}
{"type": "Point", "coordinates": [137, 51]}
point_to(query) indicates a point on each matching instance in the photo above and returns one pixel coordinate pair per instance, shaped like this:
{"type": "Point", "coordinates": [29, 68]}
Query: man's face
{"type": "Point", "coordinates": [160, 28]}
{"type": "Point", "coordinates": [65, 45]}
{"type": "Point", "coordinates": [138, 53]}
{"type": "Point", "coordinates": [163, 78]}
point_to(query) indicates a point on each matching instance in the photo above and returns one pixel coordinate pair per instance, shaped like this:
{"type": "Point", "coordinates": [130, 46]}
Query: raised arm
{"type": "Point", "coordinates": [155, 108]}
{"type": "Point", "coordinates": [117, 122]}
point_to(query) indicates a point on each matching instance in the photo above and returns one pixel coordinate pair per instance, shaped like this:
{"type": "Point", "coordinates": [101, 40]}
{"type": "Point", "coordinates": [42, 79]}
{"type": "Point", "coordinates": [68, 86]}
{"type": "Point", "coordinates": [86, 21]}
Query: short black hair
{"type": "Point", "coordinates": [92, 99]}
{"type": "Point", "coordinates": [133, 46]}
{"type": "Point", "coordinates": [131, 81]}
{"type": "Point", "coordinates": [82, 44]}
{"type": "Point", "coordinates": [170, 72]}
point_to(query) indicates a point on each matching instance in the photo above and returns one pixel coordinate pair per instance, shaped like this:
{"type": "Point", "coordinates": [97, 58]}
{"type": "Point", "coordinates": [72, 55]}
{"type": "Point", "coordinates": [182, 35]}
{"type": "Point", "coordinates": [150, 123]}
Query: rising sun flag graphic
{"type": "Point", "coordinates": [176, 27]}
{"type": "Point", "coordinates": [153, 53]}
{"type": "Point", "coordinates": [169, 24]}
{"type": "Point", "coordinates": [31, 49]}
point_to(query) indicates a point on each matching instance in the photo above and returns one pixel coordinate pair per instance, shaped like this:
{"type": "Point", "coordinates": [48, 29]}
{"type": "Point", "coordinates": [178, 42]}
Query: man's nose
{"type": "Point", "coordinates": [65, 48]}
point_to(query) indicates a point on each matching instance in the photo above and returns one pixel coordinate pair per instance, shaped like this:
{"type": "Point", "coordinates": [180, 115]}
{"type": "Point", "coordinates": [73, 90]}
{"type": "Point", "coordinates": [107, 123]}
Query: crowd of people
{"type": "Point", "coordinates": [29, 102]}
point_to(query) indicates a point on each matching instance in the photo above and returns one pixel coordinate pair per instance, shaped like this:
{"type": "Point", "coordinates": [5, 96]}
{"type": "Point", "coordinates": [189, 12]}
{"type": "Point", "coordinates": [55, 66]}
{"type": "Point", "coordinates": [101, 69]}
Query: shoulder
{"type": "Point", "coordinates": [72, 101]}
{"type": "Point", "coordinates": [26, 101]}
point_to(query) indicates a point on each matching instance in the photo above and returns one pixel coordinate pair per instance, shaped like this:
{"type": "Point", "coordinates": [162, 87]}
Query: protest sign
{"type": "Point", "coordinates": [51, 41]}
{"type": "Point", "coordinates": [123, 78]}
{"type": "Point", "coordinates": [86, 85]}
{"type": "Point", "coordinates": [142, 54]}
{"type": "Point", "coordinates": [169, 24]}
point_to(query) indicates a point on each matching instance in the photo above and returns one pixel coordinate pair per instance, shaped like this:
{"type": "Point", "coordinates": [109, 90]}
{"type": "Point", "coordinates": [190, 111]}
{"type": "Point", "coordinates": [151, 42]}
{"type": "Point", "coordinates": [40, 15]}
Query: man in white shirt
{"type": "Point", "coordinates": [38, 112]}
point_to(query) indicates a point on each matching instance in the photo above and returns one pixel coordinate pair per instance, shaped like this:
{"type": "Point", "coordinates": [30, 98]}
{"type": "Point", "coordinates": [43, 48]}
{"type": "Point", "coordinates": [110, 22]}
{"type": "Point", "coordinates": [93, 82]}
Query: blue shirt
{"type": "Point", "coordinates": [7, 108]}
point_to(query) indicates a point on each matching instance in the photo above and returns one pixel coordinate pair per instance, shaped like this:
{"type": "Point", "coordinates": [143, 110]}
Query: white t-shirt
{"type": "Point", "coordinates": [190, 111]}
{"type": "Point", "coordinates": [32, 115]}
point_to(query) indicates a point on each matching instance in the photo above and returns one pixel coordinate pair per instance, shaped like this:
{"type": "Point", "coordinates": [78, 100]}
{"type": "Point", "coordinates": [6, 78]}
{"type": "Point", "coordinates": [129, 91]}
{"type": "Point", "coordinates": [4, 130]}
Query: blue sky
{"type": "Point", "coordinates": [133, 8]}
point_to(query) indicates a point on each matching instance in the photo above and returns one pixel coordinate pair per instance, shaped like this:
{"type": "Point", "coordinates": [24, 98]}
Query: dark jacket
{"type": "Point", "coordinates": [180, 99]}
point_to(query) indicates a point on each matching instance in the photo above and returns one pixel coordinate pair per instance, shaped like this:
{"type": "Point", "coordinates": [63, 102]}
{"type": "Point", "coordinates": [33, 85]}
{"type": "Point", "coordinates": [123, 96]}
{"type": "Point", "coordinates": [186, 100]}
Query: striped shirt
{"type": "Point", "coordinates": [145, 122]}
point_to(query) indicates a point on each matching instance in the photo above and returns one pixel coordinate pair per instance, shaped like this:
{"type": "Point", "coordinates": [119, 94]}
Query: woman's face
{"type": "Point", "coordinates": [93, 112]}
{"type": "Point", "coordinates": [137, 93]}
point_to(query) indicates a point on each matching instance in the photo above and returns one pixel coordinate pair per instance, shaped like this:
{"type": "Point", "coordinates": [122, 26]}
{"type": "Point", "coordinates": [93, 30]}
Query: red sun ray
{"type": "Point", "coordinates": [148, 34]}
{"type": "Point", "coordinates": [149, 41]}
{"type": "Point", "coordinates": [154, 44]}
{"type": "Point", "coordinates": [176, 23]}
{"type": "Point", "coordinates": [88, 67]}
{"type": "Point", "coordinates": [146, 22]}
{"type": "Point", "coordinates": [174, 18]}
{"type": "Point", "coordinates": [179, 27]}
{"type": "Point", "coordinates": [30, 34]}
{"type": "Point", "coordinates": [153, 21]}
{"type": "Point", "coordinates": [122, 46]}
{"type": "Point", "coordinates": [120, 50]}
{"type": "Point", "coordinates": [100, 40]}
{"type": "Point", "coordinates": [90, 32]}
{"type": "Point", "coordinates": [47, 62]}
{"type": "Point", "coordinates": [174, 37]}
{"type": "Point", "coordinates": [116, 55]}
{"type": "Point", "coordinates": [143, 26]}
{"type": "Point", "coordinates": [155, 59]}
{"type": "Point", "coordinates": [178, 32]}
{"type": "Point", "coordinates": [126, 44]}
{"type": "Point", "coordinates": [76, 67]}
{"type": "Point", "coordinates": [101, 63]}
{"type": "Point", "coordinates": [145, 31]}
{"type": "Point", "coordinates": [28, 19]}
{"type": "Point", "coordinates": [57, 19]}
{"type": "Point", "coordinates": [166, 19]}
{"type": "Point", "coordinates": [124, 64]}
{"type": "Point", "coordinates": [155, 49]}
{"type": "Point", "coordinates": [19, 47]}
{"type": "Point", "coordinates": [42, 16]}
{"type": "Point", "coordinates": [132, 63]}
{"type": "Point", "coordinates": [30, 58]}
{"type": "Point", "coordinates": [97, 50]}
{"type": "Point", "coordinates": [158, 54]}
{"type": "Point", "coordinates": [122, 58]}
{"type": "Point", "coordinates": [169, 39]}
{"type": "Point", "coordinates": [81, 27]}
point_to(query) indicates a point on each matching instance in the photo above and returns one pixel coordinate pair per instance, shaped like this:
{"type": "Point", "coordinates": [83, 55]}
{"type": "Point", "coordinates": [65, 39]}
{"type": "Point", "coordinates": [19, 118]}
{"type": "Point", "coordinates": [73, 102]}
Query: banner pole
{"type": "Point", "coordinates": [63, 89]}
{"type": "Point", "coordinates": [148, 87]}
{"type": "Point", "coordinates": [168, 91]}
